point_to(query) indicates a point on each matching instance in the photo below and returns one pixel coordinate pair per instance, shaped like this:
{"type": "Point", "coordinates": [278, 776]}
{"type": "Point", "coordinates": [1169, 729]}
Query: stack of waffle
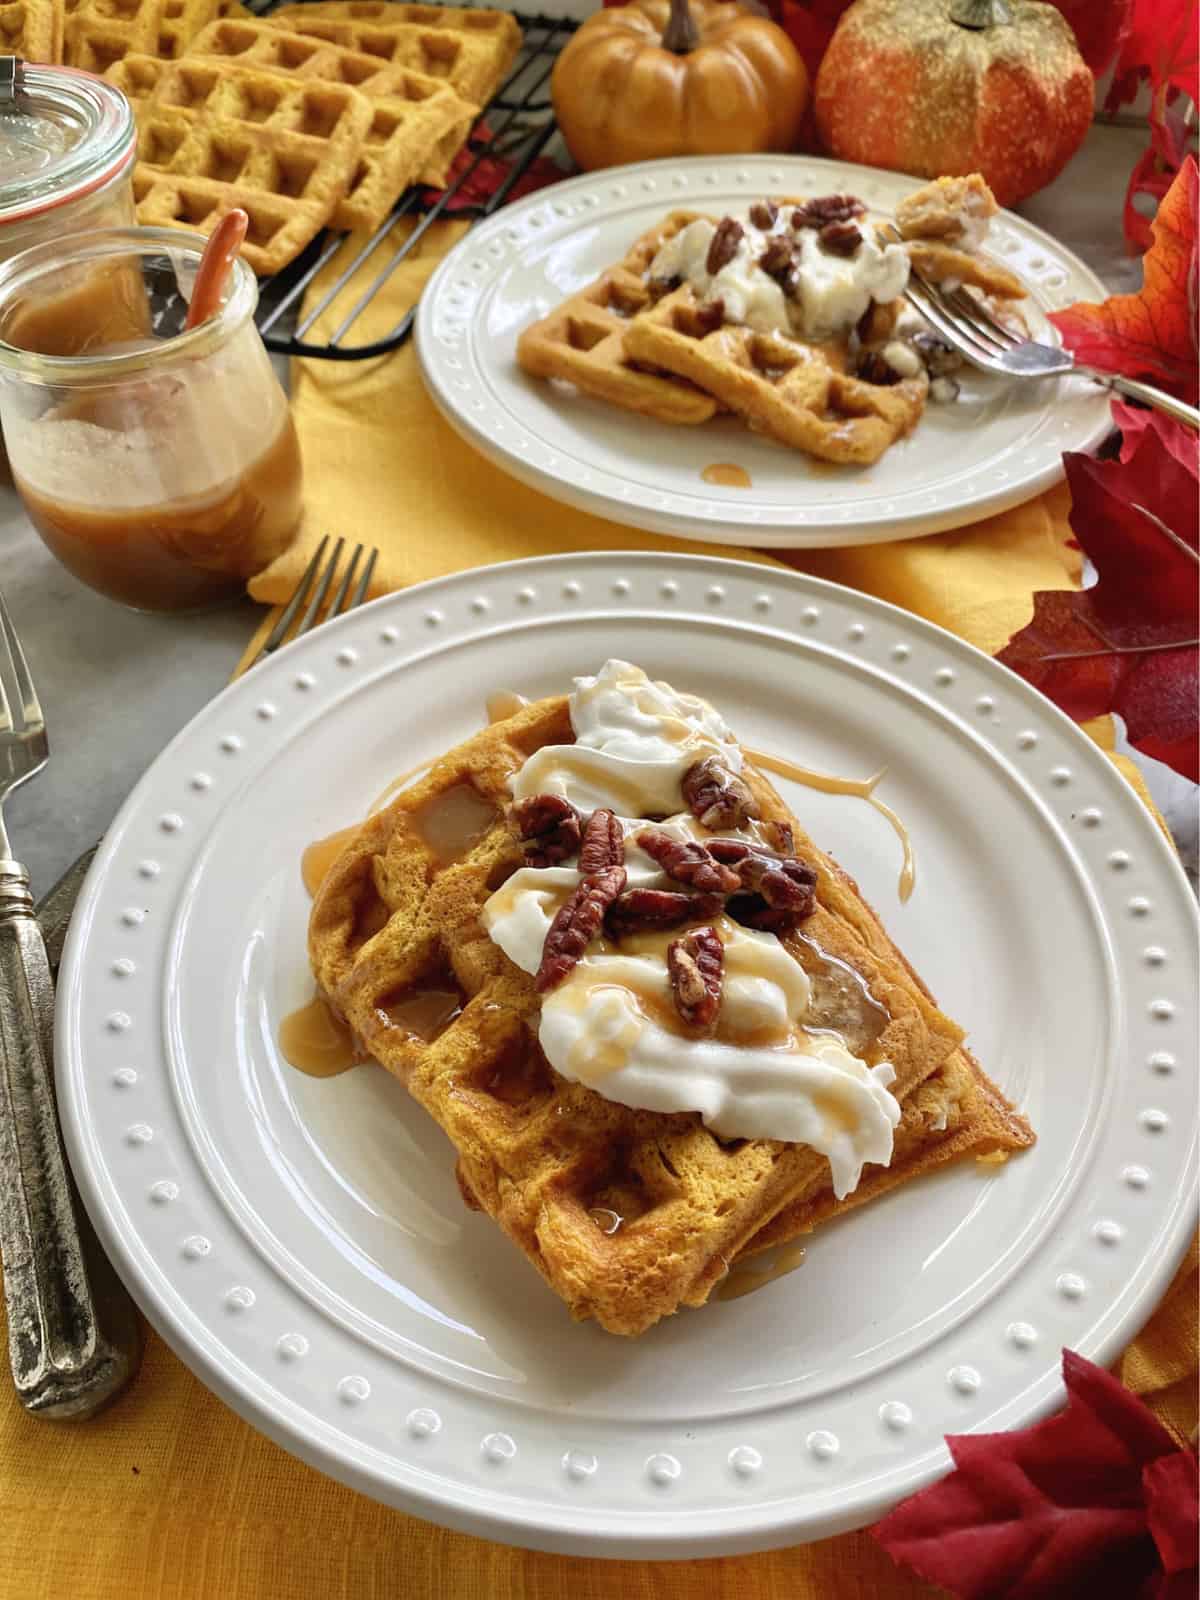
{"type": "Point", "coordinates": [320, 115]}
{"type": "Point", "coordinates": [552, 1161]}
{"type": "Point", "coordinates": [652, 348]}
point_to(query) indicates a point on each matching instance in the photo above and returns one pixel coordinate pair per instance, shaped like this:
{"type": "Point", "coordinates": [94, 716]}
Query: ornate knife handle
{"type": "Point", "coordinates": [74, 1338]}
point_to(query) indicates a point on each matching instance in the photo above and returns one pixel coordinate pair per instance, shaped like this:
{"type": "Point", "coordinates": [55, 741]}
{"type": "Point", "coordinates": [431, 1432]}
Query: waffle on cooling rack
{"type": "Point", "coordinates": [582, 341]}
{"type": "Point", "coordinates": [475, 62]}
{"type": "Point", "coordinates": [31, 29]}
{"type": "Point", "coordinates": [213, 136]}
{"type": "Point", "coordinates": [419, 78]}
{"type": "Point", "coordinates": [539, 1154]}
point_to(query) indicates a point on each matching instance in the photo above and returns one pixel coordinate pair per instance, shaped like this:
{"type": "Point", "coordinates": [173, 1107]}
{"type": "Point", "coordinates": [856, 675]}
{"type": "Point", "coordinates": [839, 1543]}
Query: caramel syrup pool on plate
{"type": "Point", "coordinates": [727, 474]}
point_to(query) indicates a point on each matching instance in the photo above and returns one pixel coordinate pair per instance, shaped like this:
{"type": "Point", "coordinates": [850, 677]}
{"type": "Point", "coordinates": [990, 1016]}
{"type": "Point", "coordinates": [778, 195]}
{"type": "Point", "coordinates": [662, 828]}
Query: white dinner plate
{"type": "Point", "coordinates": [998, 444]}
{"type": "Point", "coordinates": [301, 1242]}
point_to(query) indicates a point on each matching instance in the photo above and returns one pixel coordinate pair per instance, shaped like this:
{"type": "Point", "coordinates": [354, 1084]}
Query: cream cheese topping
{"type": "Point", "coordinates": [611, 1022]}
{"type": "Point", "coordinates": [832, 291]}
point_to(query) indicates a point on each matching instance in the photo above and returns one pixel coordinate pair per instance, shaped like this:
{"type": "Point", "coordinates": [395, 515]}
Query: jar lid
{"type": "Point", "coordinates": [68, 133]}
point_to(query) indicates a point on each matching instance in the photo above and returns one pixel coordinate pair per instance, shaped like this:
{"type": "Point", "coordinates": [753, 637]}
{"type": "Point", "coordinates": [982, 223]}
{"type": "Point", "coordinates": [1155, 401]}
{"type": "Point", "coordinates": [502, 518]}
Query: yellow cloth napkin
{"type": "Point", "coordinates": [170, 1496]}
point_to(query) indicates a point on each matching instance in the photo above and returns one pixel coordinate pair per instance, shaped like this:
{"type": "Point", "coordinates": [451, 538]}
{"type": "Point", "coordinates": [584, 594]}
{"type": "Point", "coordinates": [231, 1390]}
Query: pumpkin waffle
{"type": "Point", "coordinates": [474, 64]}
{"type": "Point", "coordinates": [99, 33]}
{"type": "Point", "coordinates": [539, 1153]}
{"type": "Point", "coordinates": [796, 393]}
{"type": "Point", "coordinates": [483, 23]}
{"type": "Point", "coordinates": [419, 125]}
{"type": "Point", "coordinates": [583, 340]}
{"type": "Point", "coordinates": [31, 29]}
{"type": "Point", "coordinates": [213, 135]}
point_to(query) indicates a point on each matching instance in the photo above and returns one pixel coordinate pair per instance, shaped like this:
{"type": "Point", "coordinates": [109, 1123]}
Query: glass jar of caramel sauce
{"type": "Point", "coordinates": [159, 464]}
{"type": "Point", "coordinates": [67, 148]}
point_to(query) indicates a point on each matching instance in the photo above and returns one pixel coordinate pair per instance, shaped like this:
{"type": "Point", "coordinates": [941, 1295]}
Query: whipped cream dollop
{"type": "Point", "coordinates": [831, 292]}
{"type": "Point", "coordinates": [634, 740]}
{"type": "Point", "coordinates": [611, 1022]}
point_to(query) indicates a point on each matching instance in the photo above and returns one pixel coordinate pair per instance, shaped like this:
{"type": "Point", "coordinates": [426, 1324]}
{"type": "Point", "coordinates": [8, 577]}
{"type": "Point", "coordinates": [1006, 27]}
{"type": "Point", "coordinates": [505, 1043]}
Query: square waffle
{"type": "Point", "coordinates": [582, 341]}
{"type": "Point", "coordinates": [538, 1153]}
{"type": "Point", "coordinates": [100, 33]}
{"type": "Point", "coordinates": [474, 64]}
{"type": "Point", "coordinates": [391, 14]}
{"type": "Point", "coordinates": [799, 394]}
{"type": "Point", "coordinates": [215, 135]}
{"type": "Point", "coordinates": [32, 29]}
{"type": "Point", "coordinates": [419, 125]}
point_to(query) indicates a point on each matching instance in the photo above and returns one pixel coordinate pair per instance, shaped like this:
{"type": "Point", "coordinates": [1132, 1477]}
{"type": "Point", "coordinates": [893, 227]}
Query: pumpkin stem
{"type": "Point", "coordinates": [680, 34]}
{"type": "Point", "coordinates": [981, 13]}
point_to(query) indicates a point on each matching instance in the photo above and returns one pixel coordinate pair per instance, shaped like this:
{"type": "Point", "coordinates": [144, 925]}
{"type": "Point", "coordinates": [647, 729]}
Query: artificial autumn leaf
{"type": "Point", "coordinates": [491, 171]}
{"type": "Point", "coordinates": [1050, 1512]}
{"type": "Point", "coordinates": [1159, 44]}
{"type": "Point", "coordinates": [1176, 437]}
{"type": "Point", "coordinates": [809, 24]}
{"type": "Point", "coordinates": [1100, 28]}
{"type": "Point", "coordinates": [1128, 644]}
{"type": "Point", "coordinates": [1150, 334]}
{"type": "Point", "coordinates": [1172, 1489]}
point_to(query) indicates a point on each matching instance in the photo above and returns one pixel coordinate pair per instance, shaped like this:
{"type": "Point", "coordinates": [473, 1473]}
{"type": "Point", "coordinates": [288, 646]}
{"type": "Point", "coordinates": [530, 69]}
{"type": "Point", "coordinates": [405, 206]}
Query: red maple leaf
{"type": "Point", "coordinates": [1159, 43]}
{"type": "Point", "coordinates": [1100, 28]}
{"type": "Point", "coordinates": [1075, 1506]}
{"type": "Point", "coordinates": [1150, 334]}
{"type": "Point", "coordinates": [1160, 46]}
{"type": "Point", "coordinates": [1128, 644]}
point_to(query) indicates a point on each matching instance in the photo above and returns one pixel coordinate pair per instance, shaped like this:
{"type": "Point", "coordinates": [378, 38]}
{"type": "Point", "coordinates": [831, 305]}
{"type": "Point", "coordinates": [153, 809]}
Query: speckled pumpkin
{"type": "Point", "coordinates": [652, 79]}
{"type": "Point", "coordinates": [956, 86]}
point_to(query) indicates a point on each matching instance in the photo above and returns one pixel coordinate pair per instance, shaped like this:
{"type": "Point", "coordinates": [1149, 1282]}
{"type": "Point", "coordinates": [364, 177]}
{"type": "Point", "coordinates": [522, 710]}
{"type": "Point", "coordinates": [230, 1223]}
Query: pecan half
{"type": "Point", "coordinates": [840, 238]}
{"type": "Point", "coordinates": [724, 245]}
{"type": "Point", "coordinates": [575, 926]}
{"type": "Point", "coordinates": [695, 966]}
{"type": "Point", "coordinates": [782, 884]}
{"type": "Point", "coordinates": [603, 843]}
{"type": "Point", "coordinates": [763, 213]}
{"type": "Point", "coordinates": [717, 797]}
{"type": "Point", "coordinates": [550, 828]}
{"type": "Point", "coordinates": [688, 862]}
{"type": "Point", "coordinates": [778, 261]}
{"type": "Point", "coordinates": [638, 910]}
{"type": "Point", "coordinates": [828, 208]}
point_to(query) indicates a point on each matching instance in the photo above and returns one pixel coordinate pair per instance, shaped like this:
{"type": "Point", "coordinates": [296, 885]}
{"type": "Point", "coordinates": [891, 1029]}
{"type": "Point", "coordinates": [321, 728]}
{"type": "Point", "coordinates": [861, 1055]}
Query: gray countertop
{"type": "Point", "coordinates": [116, 685]}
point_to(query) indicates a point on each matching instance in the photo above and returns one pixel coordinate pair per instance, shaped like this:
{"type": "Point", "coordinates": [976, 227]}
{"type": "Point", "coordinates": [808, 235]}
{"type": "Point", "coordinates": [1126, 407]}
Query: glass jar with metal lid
{"type": "Point", "coordinates": [67, 147]}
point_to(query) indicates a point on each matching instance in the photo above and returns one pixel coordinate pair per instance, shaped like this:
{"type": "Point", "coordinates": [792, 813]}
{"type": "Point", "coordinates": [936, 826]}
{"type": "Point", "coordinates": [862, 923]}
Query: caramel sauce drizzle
{"type": "Point", "coordinates": [727, 474]}
{"type": "Point", "coordinates": [319, 856]}
{"type": "Point", "coordinates": [745, 1280]}
{"type": "Point", "coordinates": [860, 788]}
{"type": "Point", "coordinates": [315, 1042]}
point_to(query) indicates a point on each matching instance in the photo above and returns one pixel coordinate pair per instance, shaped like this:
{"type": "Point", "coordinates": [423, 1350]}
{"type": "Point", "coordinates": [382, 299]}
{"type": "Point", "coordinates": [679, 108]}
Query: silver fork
{"type": "Point", "coordinates": [321, 572]}
{"type": "Point", "coordinates": [74, 1339]}
{"type": "Point", "coordinates": [965, 323]}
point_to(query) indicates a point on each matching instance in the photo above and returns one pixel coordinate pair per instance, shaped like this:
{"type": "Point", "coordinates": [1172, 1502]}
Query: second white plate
{"type": "Point", "coordinates": [998, 444]}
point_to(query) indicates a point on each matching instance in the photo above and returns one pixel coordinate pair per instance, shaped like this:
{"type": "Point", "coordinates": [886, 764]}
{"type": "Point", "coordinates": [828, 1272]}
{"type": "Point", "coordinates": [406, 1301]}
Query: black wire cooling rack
{"type": "Point", "coordinates": [516, 125]}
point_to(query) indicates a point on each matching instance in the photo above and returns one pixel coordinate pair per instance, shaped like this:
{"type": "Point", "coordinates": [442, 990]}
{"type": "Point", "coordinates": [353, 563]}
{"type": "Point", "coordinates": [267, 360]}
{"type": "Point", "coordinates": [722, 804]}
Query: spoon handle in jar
{"type": "Point", "coordinates": [74, 1339]}
{"type": "Point", "coordinates": [224, 242]}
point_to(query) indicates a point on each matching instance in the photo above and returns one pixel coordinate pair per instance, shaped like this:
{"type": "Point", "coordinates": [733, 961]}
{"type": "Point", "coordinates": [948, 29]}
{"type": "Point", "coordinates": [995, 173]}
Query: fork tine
{"type": "Point", "coordinates": [975, 308]}
{"type": "Point", "coordinates": [6, 721]}
{"type": "Point", "coordinates": [364, 583]}
{"type": "Point", "coordinates": [287, 616]}
{"type": "Point", "coordinates": [31, 708]}
{"type": "Point", "coordinates": [933, 308]}
{"type": "Point", "coordinates": [309, 619]}
{"type": "Point", "coordinates": [339, 597]}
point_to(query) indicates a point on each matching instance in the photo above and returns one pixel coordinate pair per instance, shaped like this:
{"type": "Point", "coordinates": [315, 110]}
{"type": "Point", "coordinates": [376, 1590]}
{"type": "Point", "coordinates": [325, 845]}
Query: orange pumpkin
{"type": "Point", "coordinates": [646, 80]}
{"type": "Point", "coordinates": [956, 86]}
